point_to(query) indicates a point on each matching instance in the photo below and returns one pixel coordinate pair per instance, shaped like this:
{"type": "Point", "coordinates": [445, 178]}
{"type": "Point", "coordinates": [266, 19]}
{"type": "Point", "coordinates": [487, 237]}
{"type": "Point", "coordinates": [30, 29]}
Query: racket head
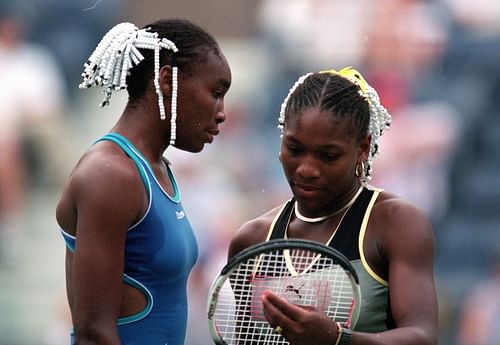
{"type": "Point", "coordinates": [303, 272]}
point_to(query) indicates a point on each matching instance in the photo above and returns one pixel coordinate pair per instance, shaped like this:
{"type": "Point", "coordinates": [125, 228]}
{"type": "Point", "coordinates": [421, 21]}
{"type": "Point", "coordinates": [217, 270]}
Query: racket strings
{"type": "Point", "coordinates": [302, 277]}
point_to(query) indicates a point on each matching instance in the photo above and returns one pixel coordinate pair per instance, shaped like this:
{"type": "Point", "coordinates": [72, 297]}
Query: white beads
{"type": "Point", "coordinates": [281, 119]}
{"type": "Point", "coordinates": [380, 120]}
{"type": "Point", "coordinates": [173, 109]}
{"type": "Point", "coordinates": [161, 106]}
{"type": "Point", "coordinates": [114, 56]}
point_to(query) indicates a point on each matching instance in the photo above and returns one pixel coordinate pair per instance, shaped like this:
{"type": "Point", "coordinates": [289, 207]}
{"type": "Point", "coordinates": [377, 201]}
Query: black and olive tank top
{"type": "Point", "coordinates": [375, 314]}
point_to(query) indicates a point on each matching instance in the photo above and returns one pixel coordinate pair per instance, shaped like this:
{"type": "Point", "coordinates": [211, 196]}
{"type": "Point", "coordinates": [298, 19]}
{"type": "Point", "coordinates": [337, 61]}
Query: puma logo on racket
{"type": "Point", "coordinates": [291, 288]}
{"type": "Point", "coordinates": [311, 292]}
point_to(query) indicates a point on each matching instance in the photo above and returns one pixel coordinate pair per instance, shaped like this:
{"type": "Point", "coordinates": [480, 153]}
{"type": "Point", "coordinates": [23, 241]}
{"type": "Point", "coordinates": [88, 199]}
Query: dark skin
{"type": "Point", "coordinates": [97, 208]}
{"type": "Point", "coordinates": [319, 156]}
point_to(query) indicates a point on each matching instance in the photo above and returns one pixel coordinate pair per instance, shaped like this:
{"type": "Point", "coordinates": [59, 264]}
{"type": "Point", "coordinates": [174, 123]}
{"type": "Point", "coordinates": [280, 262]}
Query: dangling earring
{"type": "Point", "coordinates": [360, 169]}
{"type": "Point", "coordinates": [279, 156]}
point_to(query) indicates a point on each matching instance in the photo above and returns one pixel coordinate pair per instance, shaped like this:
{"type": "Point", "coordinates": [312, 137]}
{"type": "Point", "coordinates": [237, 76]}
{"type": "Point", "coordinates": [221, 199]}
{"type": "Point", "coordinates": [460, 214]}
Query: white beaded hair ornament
{"type": "Point", "coordinates": [380, 120]}
{"type": "Point", "coordinates": [117, 52]}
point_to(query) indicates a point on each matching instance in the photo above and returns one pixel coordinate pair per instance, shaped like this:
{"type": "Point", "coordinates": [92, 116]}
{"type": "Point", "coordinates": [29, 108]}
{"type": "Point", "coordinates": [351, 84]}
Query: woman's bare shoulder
{"type": "Point", "coordinates": [392, 210]}
{"type": "Point", "coordinates": [97, 181]}
{"type": "Point", "coordinates": [399, 223]}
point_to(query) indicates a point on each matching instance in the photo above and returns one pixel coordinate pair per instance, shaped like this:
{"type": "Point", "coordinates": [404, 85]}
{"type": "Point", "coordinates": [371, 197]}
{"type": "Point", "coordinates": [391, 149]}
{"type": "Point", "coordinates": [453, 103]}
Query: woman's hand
{"type": "Point", "coordinates": [300, 325]}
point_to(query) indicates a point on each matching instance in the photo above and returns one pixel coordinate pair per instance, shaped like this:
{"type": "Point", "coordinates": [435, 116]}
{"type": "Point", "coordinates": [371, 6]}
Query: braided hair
{"type": "Point", "coordinates": [128, 58]}
{"type": "Point", "coordinates": [345, 94]}
{"type": "Point", "coordinates": [193, 43]}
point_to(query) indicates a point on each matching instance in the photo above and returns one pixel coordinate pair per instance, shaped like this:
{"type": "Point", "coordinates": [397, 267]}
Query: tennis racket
{"type": "Point", "coordinates": [303, 272]}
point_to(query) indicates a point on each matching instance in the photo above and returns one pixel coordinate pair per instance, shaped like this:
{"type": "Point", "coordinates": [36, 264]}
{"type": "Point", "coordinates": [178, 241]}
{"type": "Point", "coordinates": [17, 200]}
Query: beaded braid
{"type": "Point", "coordinates": [281, 119]}
{"type": "Point", "coordinates": [117, 53]}
{"type": "Point", "coordinates": [379, 122]}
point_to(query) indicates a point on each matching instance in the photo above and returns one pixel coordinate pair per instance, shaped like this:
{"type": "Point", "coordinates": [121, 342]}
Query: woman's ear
{"type": "Point", "coordinates": [166, 79]}
{"type": "Point", "coordinates": [364, 148]}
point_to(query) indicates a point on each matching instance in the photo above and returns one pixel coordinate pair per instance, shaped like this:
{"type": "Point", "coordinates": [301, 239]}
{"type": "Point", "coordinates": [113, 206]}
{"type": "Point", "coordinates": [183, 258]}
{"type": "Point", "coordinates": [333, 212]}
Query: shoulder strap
{"type": "Point", "coordinates": [128, 148]}
{"type": "Point", "coordinates": [281, 224]}
{"type": "Point", "coordinates": [346, 238]}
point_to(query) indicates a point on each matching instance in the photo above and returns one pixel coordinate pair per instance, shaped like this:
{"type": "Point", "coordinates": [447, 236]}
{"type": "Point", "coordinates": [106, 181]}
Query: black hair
{"type": "Point", "coordinates": [193, 43]}
{"type": "Point", "coordinates": [334, 94]}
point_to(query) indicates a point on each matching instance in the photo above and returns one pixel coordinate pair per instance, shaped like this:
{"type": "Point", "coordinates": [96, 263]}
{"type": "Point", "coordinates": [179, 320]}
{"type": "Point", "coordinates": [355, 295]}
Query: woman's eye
{"type": "Point", "coordinates": [329, 157]}
{"type": "Point", "coordinates": [293, 149]}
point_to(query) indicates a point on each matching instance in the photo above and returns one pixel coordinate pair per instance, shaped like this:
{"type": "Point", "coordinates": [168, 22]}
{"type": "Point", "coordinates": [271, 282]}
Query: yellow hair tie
{"type": "Point", "coordinates": [352, 75]}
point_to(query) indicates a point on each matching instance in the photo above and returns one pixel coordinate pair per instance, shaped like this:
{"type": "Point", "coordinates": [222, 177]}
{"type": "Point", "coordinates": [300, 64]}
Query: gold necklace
{"type": "Point", "coordinates": [322, 218]}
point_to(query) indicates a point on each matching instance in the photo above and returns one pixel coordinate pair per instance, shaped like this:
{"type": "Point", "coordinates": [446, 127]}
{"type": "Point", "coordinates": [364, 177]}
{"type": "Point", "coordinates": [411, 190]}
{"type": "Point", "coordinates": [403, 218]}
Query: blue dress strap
{"type": "Point", "coordinates": [128, 148]}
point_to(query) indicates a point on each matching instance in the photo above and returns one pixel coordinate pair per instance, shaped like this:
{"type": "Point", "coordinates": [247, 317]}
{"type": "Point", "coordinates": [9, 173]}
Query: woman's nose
{"type": "Point", "coordinates": [307, 168]}
{"type": "Point", "coordinates": [220, 116]}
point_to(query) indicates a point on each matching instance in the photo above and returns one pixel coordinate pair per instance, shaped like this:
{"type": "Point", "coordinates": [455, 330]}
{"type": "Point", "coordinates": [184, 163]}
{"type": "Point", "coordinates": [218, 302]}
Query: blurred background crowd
{"type": "Point", "coordinates": [435, 64]}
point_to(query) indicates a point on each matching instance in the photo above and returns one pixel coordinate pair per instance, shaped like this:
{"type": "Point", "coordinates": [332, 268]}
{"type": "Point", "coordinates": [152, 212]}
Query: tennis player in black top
{"type": "Point", "coordinates": [331, 124]}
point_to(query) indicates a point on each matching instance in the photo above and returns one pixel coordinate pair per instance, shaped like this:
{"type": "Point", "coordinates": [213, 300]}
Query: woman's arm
{"type": "Point", "coordinates": [108, 198]}
{"type": "Point", "coordinates": [408, 247]}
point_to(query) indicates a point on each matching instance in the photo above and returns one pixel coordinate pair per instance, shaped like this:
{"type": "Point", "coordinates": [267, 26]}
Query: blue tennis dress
{"type": "Point", "coordinates": [160, 251]}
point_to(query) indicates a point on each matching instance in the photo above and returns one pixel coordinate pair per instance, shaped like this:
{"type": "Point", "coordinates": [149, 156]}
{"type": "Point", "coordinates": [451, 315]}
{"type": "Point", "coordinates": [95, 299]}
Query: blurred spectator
{"type": "Point", "coordinates": [303, 31]}
{"type": "Point", "coordinates": [417, 148]}
{"type": "Point", "coordinates": [70, 29]}
{"type": "Point", "coordinates": [481, 17]}
{"type": "Point", "coordinates": [467, 78]}
{"type": "Point", "coordinates": [31, 97]}
{"type": "Point", "coordinates": [480, 319]}
{"type": "Point", "coordinates": [401, 52]}
{"type": "Point", "coordinates": [304, 36]}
